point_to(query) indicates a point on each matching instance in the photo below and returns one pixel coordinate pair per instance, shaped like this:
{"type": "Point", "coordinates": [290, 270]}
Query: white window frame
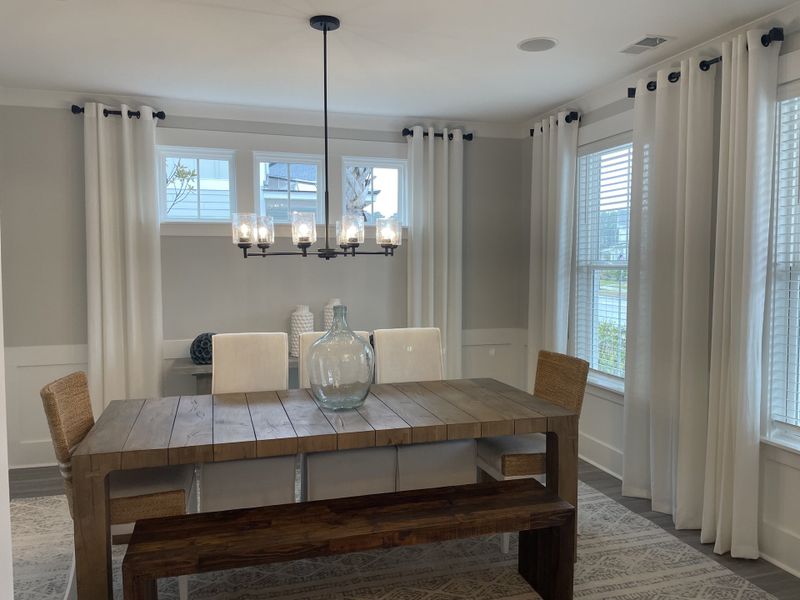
{"type": "Point", "coordinates": [290, 157]}
{"type": "Point", "coordinates": [162, 152]}
{"type": "Point", "coordinates": [596, 378]}
{"type": "Point", "coordinates": [375, 162]}
{"type": "Point", "coordinates": [774, 431]}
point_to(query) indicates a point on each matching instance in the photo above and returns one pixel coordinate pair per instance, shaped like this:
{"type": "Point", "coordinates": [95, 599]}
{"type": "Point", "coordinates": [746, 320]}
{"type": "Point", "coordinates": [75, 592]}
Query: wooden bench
{"type": "Point", "coordinates": [197, 543]}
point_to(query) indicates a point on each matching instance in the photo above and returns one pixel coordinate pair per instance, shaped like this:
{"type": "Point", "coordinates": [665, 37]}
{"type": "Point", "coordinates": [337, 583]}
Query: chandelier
{"type": "Point", "coordinates": [251, 230]}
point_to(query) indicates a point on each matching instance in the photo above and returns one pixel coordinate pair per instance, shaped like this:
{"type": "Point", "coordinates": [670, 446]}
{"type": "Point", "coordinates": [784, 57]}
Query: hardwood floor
{"type": "Point", "coordinates": [46, 481]}
{"type": "Point", "coordinates": [35, 481]}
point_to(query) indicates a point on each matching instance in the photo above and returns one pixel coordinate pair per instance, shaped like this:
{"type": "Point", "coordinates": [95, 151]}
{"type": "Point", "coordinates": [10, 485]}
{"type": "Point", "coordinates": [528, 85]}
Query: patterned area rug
{"type": "Point", "coordinates": [621, 555]}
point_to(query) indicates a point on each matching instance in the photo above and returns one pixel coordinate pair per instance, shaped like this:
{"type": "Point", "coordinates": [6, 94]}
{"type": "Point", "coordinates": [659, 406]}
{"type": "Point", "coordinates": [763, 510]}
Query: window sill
{"type": "Point", "coordinates": [223, 229]}
{"type": "Point", "coordinates": [783, 442]}
{"type": "Point", "coordinates": [606, 382]}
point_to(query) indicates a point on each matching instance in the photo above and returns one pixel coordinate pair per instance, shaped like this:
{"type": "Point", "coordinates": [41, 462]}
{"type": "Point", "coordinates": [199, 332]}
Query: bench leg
{"type": "Point", "coordinates": [546, 560]}
{"type": "Point", "coordinates": [137, 587]}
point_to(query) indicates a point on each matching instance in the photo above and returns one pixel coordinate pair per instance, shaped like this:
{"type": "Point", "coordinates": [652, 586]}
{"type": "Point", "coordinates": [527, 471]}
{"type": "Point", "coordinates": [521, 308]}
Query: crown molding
{"type": "Point", "coordinates": [209, 110]}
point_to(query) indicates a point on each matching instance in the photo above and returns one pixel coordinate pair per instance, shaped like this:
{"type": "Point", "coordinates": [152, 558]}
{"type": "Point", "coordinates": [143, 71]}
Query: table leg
{"type": "Point", "coordinates": [547, 560]}
{"type": "Point", "coordinates": [138, 588]}
{"type": "Point", "coordinates": [562, 461]}
{"type": "Point", "coordinates": [90, 507]}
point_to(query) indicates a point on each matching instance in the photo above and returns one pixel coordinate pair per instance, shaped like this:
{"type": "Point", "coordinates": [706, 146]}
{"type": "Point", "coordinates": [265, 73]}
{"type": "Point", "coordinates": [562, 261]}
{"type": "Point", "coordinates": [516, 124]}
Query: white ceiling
{"type": "Point", "coordinates": [424, 58]}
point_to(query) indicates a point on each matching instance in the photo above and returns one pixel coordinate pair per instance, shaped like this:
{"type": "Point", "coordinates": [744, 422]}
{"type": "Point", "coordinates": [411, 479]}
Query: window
{"type": "Point", "coordinates": [375, 188]}
{"type": "Point", "coordinates": [288, 183]}
{"type": "Point", "coordinates": [601, 291]}
{"type": "Point", "coordinates": [784, 373]}
{"type": "Point", "coordinates": [195, 184]}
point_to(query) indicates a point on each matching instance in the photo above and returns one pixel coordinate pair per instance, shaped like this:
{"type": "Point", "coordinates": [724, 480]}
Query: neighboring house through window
{"type": "Point", "coordinates": [195, 184]}
{"type": "Point", "coordinates": [602, 228]}
{"type": "Point", "coordinates": [289, 183]}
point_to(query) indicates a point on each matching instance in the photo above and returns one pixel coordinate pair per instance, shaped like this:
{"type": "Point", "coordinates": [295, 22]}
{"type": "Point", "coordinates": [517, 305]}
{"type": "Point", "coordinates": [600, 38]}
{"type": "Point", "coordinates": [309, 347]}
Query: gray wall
{"type": "Point", "coordinates": [207, 286]}
{"type": "Point", "coordinates": [495, 243]}
{"type": "Point", "coordinates": [43, 226]}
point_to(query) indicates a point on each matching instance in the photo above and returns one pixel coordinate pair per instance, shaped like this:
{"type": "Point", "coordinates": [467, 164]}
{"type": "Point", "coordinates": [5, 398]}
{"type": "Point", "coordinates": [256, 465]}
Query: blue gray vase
{"type": "Point", "coordinates": [200, 350]}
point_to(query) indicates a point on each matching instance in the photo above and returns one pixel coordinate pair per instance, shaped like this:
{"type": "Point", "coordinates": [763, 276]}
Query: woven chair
{"type": "Point", "coordinates": [134, 495]}
{"type": "Point", "coordinates": [560, 379]}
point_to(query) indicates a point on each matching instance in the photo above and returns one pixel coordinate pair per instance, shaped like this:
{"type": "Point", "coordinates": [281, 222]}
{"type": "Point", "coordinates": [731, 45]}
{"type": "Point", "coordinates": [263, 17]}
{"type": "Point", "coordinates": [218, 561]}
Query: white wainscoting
{"type": "Point", "coordinates": [779, 537]}
{"type": "Point", "coordinates": [601, 436]}
{"type": "Point", "coordinates": [28, 369]}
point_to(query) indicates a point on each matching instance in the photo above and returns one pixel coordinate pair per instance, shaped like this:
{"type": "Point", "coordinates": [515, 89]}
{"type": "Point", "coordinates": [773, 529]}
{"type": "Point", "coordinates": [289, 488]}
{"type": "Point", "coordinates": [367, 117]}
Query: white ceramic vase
{"type": "Point", "coordinates": [327, 313]}
{"type": "Point", "coordinates": [300, 321]}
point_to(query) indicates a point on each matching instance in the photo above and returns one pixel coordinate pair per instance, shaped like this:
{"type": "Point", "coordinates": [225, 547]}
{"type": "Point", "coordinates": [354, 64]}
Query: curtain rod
{"type": "Point", "coordinates": [572, 116]}
{"type": "Point", "coordinates": [77, 110]}
{"type": "Point", "coordinates": [774, 35]}
{"type": "Point", "coordinates": [467, 136]}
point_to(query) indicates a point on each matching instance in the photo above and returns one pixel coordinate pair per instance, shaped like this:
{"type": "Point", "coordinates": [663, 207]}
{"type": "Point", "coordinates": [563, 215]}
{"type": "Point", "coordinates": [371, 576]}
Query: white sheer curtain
{"type": "Point", "coordinates": [747, 126]}
{"type": "Point", "coordinates": [669, 293]}
{"type": "Point", "coordinates": [555, 148]}
{"type": "Point", "coordinates": [123, 255]}
{"type": "Point", "coordinates": [435, 246]}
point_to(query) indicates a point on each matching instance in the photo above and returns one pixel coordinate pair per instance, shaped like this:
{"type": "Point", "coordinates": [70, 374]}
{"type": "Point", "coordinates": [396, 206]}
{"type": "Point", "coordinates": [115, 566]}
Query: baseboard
{"type": "Point", "coordinates": [782, 547]}
{"type": "Point", "coordinates": [781, 565]}
{"type": "Point", "coordinates": [601, 455]}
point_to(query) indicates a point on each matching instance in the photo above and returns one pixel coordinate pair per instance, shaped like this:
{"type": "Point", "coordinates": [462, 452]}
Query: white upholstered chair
{"type": "Point", "coordinates": [343, 473]}
{"type": "Point", "coordinates": [415, 354]}
{"type": "Point", "coordinates": [248, 362]}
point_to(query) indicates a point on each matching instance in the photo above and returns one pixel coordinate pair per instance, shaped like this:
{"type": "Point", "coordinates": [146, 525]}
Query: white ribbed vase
{"type": "Point", "coordinates": [327, 312]}
{"type": "Point", "coordinates": [300, 321]}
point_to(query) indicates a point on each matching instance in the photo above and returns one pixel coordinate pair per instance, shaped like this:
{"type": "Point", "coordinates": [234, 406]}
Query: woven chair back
{"type": "Point", "coordinates": [561, 379]}
{"type": "Point", "coordinates": [69, 416]}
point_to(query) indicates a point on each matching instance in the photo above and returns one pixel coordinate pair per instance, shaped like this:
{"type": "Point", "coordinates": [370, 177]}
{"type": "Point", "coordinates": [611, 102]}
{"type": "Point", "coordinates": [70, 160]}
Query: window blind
{"type": "Point", "coordinates": [784, 387]}
{"type": "Point", "coordinates": [602, 227]}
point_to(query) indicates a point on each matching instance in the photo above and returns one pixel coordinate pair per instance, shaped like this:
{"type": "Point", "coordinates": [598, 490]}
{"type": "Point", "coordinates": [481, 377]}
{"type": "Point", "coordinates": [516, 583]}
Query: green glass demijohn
{"type": "Point", "coordinates": [340, 365]}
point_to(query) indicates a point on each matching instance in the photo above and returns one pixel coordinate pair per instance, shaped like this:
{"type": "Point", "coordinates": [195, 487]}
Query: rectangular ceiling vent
{"type": "Point", "coordinates": [646, 43]}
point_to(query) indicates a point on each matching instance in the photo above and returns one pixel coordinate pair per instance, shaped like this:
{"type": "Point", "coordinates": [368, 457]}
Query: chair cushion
{"type": "Point", "coordinates": [350, 473]}
{"type": "Point", "coordinates": [247, 483]}
{"type": "Point", "coordinates": [421, 466]}
{"type": "Point", "coordinates": [514, 455]}
{"type": "Point", "coordinates": [150, 493]}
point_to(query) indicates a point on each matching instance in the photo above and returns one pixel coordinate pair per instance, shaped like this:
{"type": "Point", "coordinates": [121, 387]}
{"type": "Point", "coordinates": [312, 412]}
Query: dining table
{"type": "Point", "coordinates": [197, 429]}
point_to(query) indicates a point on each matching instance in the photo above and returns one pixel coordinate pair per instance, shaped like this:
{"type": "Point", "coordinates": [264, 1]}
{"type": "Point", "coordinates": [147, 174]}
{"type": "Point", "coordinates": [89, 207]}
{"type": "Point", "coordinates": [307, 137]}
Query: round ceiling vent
{"type": "Point", "coordinates": [537, 44]}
